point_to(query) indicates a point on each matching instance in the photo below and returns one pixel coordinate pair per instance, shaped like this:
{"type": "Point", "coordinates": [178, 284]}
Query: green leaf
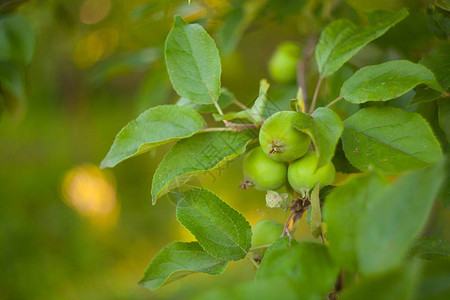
{"type": "Point", "coordinates": [444, 4]}
{"type": "Point", "coordinates": [229, 34]}
{"type": "Point", "coordinates": [438, 62]}
{"type": "Point", "coordinates": [226, 98]}
{"type": "Point", "coordinates": [281, 243]}
{"type": "Point", "coordinates": [11, 80]}
{"type": "Point", "coordinates": [322, 195]}
{"type": "Point", "coordinates": [389, 139]}
{"type": "Point", "coordinates": [12, 88]}
{"type": "Point", "coordinates": [193, 62]}
{"type": "Point", "coordinates": [17, 38]}
{"type": "Point", "coordinates": [155, 89]}
{"type": "Point", "coordinates": [386, 81]}
{"type": "Point", "coordinates": [397, 284]}
{"type": "Point", "coordinates": [438, 22]}
{"type": "Point", "coordinates": [268, 289]}
{"type": "Point", "coordinates": [253, 114]}
{"type": "Point", "coordinates": [316, 214]}
{"type": "Point", "coordinates": [434, 283]}
{"type": "Point", "coordinates": [221, 231]}
{"type": "Point", "coordinates": [154, 127]}
{"type": "Point", "coordinates": [395, 217]}
{"type": "Point", "coordinates": [178, 260]}
{"type": "Point", "coordinates": [344, 207]}
{"type": "Point", "coordinates": [444, 116]}
{"type": "Point", "coordinates": [430, 249]}
{"type": "Point", "coordinates": [342, 39]}
{"type": "Point", "coordinates": [334, 83]}
{"type": "Point", "coordinates": [298, 104]}
{"type": "Point", "coordinates": [324, 127]}
{"type": "Point", "coordinates": [201, 153]}
{"type": "Point", "coordinates": [307, 265]}
{"type": "Point", "coordinates": [235, 23]}
{"type": "Point", "coordinates": [124, 64]}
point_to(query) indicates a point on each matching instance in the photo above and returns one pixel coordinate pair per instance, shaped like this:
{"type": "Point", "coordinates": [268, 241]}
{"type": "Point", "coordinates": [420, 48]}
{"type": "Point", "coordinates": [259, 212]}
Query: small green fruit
{"type": "Point", "coordinates": [280, 141]}
{"type": "Point", "coordinates": [263, 173]}
{"type": "Point", "coordinates": [302, 177]}
{"type": "Point", "coordinates": [265, 232]}
{"type": "Point", "coordinates": [283, 63]}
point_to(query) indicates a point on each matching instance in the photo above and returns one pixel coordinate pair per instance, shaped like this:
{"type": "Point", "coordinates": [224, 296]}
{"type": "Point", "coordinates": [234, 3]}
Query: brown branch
{"type": "Point", "coordinates": [286, 226]}
{"type": "Point", "coordinates": [298, 208]}
{"type": "Point", "coordinates": [338, 286]}
{"type": "Point", "coordinates": [303, 66]}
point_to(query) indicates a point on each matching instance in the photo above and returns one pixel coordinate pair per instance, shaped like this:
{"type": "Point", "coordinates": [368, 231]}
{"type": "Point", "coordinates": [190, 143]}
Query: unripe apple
{"type": "Point", "coordinates": [302, 175]}
{"type": "Point", "coordinates": [283, 63]}
{"type": "Point", "coordinates": [263, 173]}
{"type": "Point", "coordinates": [280, 141]}
{"type": "Point", "coordinates": [265, 232]}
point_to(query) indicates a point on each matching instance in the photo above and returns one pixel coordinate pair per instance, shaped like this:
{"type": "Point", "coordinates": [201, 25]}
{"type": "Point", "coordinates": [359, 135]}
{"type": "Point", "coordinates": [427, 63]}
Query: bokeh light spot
{"type": "Point", "coordinates": [97, 45]}
{"type": "Point", "coordinates": [91, 193]}
{"type": "Point", "coordinates": [93, 11]}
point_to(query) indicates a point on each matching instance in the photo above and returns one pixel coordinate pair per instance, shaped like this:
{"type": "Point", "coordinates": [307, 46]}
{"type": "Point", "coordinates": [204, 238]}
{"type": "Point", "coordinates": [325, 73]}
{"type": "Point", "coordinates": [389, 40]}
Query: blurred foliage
{"type": "Point", "coordinates": [72, 73]}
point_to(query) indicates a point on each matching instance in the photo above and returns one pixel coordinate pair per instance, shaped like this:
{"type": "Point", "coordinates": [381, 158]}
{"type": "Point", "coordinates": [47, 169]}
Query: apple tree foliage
{"type": "Point", "coordinates": [372, 246]}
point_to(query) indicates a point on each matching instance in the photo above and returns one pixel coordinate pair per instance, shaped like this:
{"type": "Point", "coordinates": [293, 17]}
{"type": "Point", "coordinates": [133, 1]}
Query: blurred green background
{"type": "Point", "coordinates": [71, 231]}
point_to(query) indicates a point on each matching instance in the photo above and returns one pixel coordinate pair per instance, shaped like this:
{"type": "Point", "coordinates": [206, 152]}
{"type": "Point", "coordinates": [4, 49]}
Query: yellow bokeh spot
{"type": "Point", "coordinates": [93, 11]}
{"type": "Point", "coordinates": [218, 4]}
{"type": "Point", "coordinates": [97, 45]}
{"type": "Point", "coordinates": [91, 193]}
{"type": "Point", "coordinates": [109, 38]}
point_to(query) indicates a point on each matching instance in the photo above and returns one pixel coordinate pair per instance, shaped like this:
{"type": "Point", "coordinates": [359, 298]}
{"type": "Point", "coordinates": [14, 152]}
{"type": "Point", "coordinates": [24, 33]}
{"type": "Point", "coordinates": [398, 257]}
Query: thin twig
{"type": "Point", "coordinates": [240, 127]}
{"type": "Point", "coordinates": [302, 68]}
{"type": "Point", "coordinates": [321, 237]}
{"type": "Point", "coordinates": [217, 129]}
{"type": "Point", "coordinates": [239, 103]}
{"type": "Point", "coordinates": [338, 286]}
{"type": "Point", "coordinates": [316, 94]}
{"type": "Point", "coordinates": [219, 110]}
{"type": "Point", "coordinates": [230, 127]}
{"type": "Point", "coordinates": [286, 225]}
{"type": "Point", "coordinates": [253, 261]}
{"type": "Point", "coordinates": [334, 101]}
{"type": "Point", "coordinates": [301, 79]}
{"type": "Point", "coordinates": [340, 281]}
{"type": "Point", "coordinates": [260, 247]}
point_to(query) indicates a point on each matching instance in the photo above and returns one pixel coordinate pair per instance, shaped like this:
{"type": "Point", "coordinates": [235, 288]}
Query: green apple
{"type": "Point", "coordinates": [283, 63]}
{"type": "Point", "coordinates": [265, 232]}
{"type": "Point", "coordinates": [302, 173]}
{"type": "Point", "coordinates": [280, 141]}
{"type": "Point", "coordinates": [263, 173]}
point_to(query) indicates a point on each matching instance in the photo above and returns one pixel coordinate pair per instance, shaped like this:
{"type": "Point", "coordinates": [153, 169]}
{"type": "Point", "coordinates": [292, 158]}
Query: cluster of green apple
{"type": "Point", "coordinates": [284, 157]}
